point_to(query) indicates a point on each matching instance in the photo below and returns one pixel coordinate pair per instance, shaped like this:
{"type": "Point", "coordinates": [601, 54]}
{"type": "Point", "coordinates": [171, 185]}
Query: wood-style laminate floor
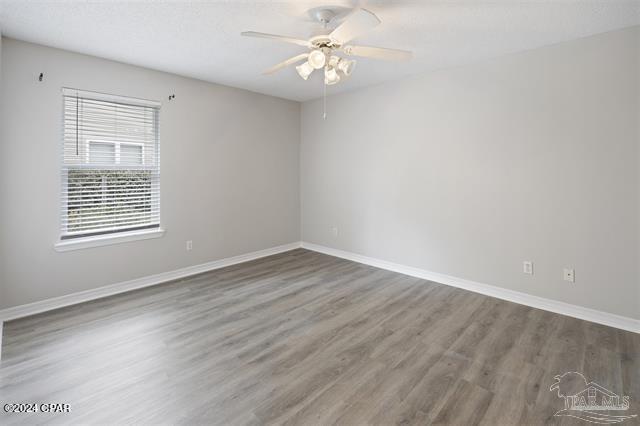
{"type": "Point", "coordinates": [305, 338]}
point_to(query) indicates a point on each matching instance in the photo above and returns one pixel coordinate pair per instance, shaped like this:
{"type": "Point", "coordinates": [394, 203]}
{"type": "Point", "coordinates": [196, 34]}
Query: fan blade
{"type": "Point", "coordinates": [285, 39]}
{"type": "Point", "coordinates": [286, 63]}
{"type": "Point", "coordinates": [358, 23]}
{"type": "Point", "coordinates": [378, 53]}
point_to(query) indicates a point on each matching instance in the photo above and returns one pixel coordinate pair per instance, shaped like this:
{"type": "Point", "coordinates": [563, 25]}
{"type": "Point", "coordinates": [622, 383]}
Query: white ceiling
{"type": "Point", "coordinates": [202, 39]}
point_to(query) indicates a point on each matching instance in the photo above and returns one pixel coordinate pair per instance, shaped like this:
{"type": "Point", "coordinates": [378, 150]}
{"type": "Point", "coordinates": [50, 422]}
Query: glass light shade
{"type": "Point", "coordinates": [333, 61]}
{"type": "Point", "coordinates": [317, 59]}
{"type": "Point", "coordinates": [331, 76]}
{"type": "Point", "coordinates": [304, 70]}
{"type": "Point", "coordinates": [346, 66]}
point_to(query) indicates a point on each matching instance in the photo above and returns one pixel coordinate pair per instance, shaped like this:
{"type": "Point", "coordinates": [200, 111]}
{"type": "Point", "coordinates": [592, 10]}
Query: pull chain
{"type": "Point", "coordinates": [324, 85]}
{"type": "Point", "coordinates": [324, 101]}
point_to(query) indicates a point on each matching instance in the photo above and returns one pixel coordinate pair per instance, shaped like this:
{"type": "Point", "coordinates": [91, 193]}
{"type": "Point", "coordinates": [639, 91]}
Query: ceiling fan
{"type": "Point", "coordinates": [323, 48]}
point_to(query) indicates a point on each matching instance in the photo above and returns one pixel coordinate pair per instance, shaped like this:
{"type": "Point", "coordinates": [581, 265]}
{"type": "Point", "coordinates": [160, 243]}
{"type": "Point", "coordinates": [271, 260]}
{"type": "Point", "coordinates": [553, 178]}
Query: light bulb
{"type": "Point", "coordinates": [333, 61]}
{"type": "Point", "coordinates": [304, 70]}
{"type": "Point", "coordinates": [331, 76]}
{"type": "Point", "coordinates": [346, 66]}
{"type": "Point", "coordinates": [317, 59]}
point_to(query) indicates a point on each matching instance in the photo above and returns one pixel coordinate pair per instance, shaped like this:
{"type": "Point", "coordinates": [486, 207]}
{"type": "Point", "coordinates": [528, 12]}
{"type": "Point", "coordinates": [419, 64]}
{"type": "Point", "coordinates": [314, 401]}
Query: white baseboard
{"type": "Point", "coordinates": [109, 290]}
{"type": "Point", "coordinates": [555, 306]}
{"type": "Point", "coordinates": [563, 308]}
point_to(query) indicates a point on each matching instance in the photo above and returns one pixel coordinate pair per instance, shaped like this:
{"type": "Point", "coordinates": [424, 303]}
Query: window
{"type": "Point", "coordinates": [111, 152]}
{"type": "Point", "coordinates": [110, 165]}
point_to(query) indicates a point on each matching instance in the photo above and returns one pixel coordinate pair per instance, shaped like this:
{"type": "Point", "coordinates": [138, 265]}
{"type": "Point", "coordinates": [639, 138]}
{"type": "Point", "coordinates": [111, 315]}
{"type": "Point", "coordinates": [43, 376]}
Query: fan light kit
{"type": "Point", "coordinates": [324, 47]}
{"type": "Point", "coordinates": [305, 70]}
{"type": "Point", "coordinates": [317, 59]}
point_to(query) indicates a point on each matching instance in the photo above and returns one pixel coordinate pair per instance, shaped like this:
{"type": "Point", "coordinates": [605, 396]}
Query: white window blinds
{"type": "Point", "coordinates": [110, 164]}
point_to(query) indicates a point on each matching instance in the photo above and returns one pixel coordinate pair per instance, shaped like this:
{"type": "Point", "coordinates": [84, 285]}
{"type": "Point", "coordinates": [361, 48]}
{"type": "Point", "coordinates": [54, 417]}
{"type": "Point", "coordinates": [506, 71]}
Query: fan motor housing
{"type": "Point", "coordinates": [324, 16]}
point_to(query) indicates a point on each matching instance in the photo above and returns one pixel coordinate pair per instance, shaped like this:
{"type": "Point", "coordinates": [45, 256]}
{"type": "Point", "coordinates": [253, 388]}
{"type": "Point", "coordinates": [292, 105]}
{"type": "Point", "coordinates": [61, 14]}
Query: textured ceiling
{"type": "Point", "coordinates": [202, 39]}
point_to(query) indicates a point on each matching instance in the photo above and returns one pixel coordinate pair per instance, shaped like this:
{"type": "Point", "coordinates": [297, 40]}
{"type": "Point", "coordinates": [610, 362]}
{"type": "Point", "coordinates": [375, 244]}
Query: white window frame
{"type": "Point", "coordinates": [118, 237]}
{"type": "Point", "coordinates": [117, 145]}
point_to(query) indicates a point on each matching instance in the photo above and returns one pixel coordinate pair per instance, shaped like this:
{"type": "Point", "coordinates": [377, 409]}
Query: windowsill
{"type": "Point", "coordinates": [105, 240]}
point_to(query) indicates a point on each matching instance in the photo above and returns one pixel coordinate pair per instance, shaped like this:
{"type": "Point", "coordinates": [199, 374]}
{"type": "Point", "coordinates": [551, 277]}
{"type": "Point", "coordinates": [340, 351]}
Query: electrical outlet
{"type": "Point", "coordinates": [334, 231]}
{"type": "Point", "coordinates": [569, 275]}
{"type": "Point", "coordinates": [189, 245]}
{"type": "Point", "coordinates": [527, 267]}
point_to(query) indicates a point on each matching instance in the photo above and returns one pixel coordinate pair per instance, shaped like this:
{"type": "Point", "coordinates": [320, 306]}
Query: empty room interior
{"type": "Point", "coordinates": [313, 212]}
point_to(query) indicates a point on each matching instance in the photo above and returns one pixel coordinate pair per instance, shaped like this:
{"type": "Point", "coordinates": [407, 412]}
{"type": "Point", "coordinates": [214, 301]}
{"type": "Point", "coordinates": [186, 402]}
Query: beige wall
{"type": "Point", "coordinates": [229, 173]}
{"type": "Point", "coordinates": [471, 171]}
